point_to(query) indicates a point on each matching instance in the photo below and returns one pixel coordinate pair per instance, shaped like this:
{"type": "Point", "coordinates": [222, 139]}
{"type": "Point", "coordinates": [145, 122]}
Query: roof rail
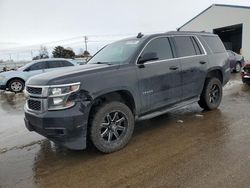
{"type": "Point", "coordinates": [189, 32]}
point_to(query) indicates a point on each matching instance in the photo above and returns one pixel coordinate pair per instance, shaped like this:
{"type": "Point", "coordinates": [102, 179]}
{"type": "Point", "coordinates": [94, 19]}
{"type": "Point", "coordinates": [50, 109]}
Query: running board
{"type": "Point", "coordinates": [165, 110]}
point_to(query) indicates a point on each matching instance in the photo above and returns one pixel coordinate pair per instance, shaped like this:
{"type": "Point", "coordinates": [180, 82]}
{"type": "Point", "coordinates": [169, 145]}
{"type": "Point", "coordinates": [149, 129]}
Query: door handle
{"type": "Point", "coordinates": [173, 68]}
{"type": "Point", "coordinates": [203, 62]}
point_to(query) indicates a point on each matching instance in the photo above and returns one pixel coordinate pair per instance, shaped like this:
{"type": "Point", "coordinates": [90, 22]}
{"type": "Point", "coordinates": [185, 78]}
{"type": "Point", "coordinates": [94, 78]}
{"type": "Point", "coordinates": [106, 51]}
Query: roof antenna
{"type": "Point", "coordinates": [140, 35]}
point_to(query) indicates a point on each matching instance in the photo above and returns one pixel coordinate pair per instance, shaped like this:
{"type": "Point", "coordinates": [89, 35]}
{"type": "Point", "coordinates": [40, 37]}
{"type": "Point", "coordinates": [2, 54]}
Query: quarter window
{"type": "Point", "coordinates": [161, 47]}
{"type": "Point", "coordinates": [66, 64]}
{"type": "Point", "coordinates": [215, 44]}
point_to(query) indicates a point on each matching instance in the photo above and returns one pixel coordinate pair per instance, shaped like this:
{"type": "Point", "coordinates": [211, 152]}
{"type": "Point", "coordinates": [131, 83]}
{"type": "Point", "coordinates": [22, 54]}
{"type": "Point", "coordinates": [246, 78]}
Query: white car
{"type": "Point", "coordinates": [15, 80]}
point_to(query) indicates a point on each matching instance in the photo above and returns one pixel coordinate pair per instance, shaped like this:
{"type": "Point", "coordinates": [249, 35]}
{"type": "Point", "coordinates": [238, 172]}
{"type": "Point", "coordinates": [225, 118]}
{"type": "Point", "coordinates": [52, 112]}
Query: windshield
{"type": "Point", "coordinates": [116, 53]}
{"type": "Point", "coordinates": [25, 66]}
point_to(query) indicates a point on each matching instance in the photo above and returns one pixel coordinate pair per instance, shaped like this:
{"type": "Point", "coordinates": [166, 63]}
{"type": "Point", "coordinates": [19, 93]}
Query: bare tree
{"type": "Point", "coordinates": [43, 53]}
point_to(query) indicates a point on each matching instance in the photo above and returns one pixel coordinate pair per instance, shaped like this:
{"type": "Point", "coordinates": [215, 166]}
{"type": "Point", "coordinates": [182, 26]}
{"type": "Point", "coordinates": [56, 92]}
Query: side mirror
{"type": "Point", "coordinates": [147, 57]}
{"type": "Point", "coordinates": [27, 70]}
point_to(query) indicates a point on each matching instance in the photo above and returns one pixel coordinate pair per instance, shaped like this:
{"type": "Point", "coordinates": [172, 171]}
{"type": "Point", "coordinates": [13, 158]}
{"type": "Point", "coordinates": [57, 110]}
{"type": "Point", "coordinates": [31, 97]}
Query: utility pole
{"type": "Point", "coordinates": [86, 41]}
{"type": "Point", "coordinates": [31, 53]}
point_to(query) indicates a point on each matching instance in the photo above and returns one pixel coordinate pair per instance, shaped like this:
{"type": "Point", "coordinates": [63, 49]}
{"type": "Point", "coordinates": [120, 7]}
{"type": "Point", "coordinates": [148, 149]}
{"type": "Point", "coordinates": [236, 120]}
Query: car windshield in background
{"type": "Point", "coordinates": [116, 53]}
{"type": "Point", "coordinates": [25, 66]}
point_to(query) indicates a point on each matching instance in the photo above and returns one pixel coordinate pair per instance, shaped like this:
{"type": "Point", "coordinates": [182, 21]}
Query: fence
{"type": "Point", "coordinates": [11, 65]}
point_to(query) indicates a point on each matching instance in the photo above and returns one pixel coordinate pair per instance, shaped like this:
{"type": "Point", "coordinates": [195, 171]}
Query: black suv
{"type": "Point", "coordinates": [133, 79]}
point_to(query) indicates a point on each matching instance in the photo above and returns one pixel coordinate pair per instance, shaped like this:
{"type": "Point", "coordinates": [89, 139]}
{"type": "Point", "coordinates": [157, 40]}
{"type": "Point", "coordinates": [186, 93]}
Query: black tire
{"type": "Point", "coordinates": [16, 85]}
{"type": "Point", "coordinates": [211, 95]}
{"type": "Point", "coordinates": [237, 67]}
{"type": "Point", "coordinates": [111, 127]}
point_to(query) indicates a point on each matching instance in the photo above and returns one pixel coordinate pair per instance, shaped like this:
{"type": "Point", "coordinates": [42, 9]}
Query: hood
{"type": "Point", "coordinates": [66, 75]}
{"type": "Point", "coordinates": [10, 73]}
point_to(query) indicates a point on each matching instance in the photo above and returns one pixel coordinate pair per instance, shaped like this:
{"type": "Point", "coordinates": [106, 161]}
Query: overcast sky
{"type": "Point", "coordinates": [26, 22]}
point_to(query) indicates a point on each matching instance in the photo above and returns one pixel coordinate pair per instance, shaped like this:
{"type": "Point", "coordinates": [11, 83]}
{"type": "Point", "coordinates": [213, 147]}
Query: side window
{"type": "Point", "coordinates": [184, 45]}
{"type": "Point", "coordinates": [53, 64]}
{"type": "Point", "coordinates": [215, 44]}
{"type": "Point", "coordinates": [38, 66]}
{"type": "Point", "coordinates": [57, 64]}
{"type": "Point", "coordinates": [66, 64]}
{"type": "Point", "coordinates": [161, 47]}
{"type": "Point", "coordinates": [197, 47]}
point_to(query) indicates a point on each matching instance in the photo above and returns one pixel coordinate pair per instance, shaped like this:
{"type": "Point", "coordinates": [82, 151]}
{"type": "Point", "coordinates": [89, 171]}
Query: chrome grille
{"type": "Point", "coordinates": [34, 105]}
{"type": "Point", "coordinates": [34, 90]}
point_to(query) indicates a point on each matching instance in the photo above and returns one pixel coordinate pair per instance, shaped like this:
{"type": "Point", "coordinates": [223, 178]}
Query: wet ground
{"type": "Point", "coordinates": [184, 148]}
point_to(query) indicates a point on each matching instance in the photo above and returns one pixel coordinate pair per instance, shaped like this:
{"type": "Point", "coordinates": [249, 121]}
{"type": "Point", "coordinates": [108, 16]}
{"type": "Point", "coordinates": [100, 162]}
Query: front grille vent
{"type": "Point", "coordinates": [34, 90]}
{"type": "Point", "coordinates": [34, 105]}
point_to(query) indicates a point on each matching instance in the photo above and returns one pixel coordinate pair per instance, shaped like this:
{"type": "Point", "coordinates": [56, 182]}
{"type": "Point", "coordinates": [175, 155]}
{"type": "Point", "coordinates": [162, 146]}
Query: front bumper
{"type": "Point", "coordinates": [65, 127]}
{"type": "Point", "coordinates": [246, 79]}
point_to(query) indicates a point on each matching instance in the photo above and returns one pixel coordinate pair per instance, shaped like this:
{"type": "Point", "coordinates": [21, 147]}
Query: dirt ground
{"type": "Point", "coordinates": [184, 148]}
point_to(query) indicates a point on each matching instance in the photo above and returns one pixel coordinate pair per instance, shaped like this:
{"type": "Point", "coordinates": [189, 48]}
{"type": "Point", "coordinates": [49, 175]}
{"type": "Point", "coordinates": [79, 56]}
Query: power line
{"type": "Point", "coordinates": [76, 38]}
{"type": "Point", "coordinates": [73, 41]}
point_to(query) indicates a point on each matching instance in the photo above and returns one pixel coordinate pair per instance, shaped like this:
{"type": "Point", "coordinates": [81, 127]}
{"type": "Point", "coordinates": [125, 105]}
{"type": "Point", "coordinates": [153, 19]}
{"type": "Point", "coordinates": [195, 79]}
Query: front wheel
{"type": "Point", "coordinates": [16, 85]}
{"type": "Point", "coordinates": [211, 95]}
{"type": "Point", "coordinates": [112, 126]}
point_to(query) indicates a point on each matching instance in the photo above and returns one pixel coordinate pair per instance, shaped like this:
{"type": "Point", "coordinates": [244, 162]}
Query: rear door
{"type": "Point", "coordinates": [193, 65]}
{"type": "Point", "coordinates": [159, 80]}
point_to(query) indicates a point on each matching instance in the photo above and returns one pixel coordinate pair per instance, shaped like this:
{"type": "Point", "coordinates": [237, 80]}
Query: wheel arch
{"type": "Point", "coordinates": [121, 95]}
{"type": "Point", "coordinates": [18, 78]}
{"type": "Point", "coordinates": [215, 72]}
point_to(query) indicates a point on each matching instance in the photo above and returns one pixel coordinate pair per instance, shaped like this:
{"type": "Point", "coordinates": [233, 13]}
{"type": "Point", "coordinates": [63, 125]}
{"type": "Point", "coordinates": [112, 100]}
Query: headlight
{"type": "Point", "coordinates": [60, 96]}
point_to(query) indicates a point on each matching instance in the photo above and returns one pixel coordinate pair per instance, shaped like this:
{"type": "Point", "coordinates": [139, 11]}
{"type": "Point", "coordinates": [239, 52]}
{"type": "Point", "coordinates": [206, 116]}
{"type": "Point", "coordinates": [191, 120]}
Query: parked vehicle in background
{"type": "Point", "coordinates": [133, 79]}
{"type": "Point", "coordinates": [81, 61]}
{"type": "Point", "coordinates": [236, 61]}
{"type": "Point", "coordinates": [15, 80]}
{"type": "Point", "coordinates": [245, 73]}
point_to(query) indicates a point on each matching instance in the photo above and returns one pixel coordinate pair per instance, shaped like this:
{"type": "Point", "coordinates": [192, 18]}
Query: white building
{"type": "Point", "coordinates": [231, 23]}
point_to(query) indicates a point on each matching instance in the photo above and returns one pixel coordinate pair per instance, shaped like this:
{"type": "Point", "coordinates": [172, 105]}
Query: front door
{"type": "Point", "coordinates": [159, 80]}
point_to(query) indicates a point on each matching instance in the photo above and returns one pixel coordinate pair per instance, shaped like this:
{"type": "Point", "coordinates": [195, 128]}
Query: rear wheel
{"type": "Point", "coordinates": [237, 67]}
{"type": "Point", "coordinates": [112, 126]}
{"type": "Point", "coordinates": [16, 85]}
{"type": "Point", "coordinates": [211, 95]}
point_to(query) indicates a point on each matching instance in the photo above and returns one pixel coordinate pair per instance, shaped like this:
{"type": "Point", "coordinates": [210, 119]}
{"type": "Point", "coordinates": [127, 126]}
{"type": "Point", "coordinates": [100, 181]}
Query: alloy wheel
{"type": "Point", "coordinates": [214, 94]}
{"type": "Point", "coordinates": [113, 127]}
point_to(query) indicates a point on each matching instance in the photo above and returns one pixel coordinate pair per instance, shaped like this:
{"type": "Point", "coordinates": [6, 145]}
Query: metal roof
{"type": "Point", "coordinates": [213, 5]}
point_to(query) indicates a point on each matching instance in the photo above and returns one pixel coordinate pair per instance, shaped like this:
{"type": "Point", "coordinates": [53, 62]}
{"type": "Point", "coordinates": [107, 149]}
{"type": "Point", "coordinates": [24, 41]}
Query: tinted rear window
{"type": "Point", "coordinates": [184, 45]}
{"type": "Point", "coordinates": [215, 44]}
